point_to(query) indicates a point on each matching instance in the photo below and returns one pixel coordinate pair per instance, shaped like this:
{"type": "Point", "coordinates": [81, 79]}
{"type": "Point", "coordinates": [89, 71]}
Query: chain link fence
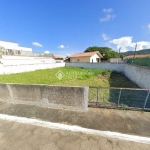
{"type": "Point", "coordinates": [119, 97]}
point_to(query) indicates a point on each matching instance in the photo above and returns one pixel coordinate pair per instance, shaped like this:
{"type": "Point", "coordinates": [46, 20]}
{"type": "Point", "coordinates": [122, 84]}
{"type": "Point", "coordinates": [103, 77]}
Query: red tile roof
{"type": "Point", "coordinates": [137, 56]}
{"type": "Point", "coordinates": [86, 54]}
{"type": "Point", "coordinates": [57, 56]}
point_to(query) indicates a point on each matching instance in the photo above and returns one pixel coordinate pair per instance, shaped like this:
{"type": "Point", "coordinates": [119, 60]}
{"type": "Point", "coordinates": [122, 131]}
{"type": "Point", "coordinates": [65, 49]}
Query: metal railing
{"type": "Point", "coordinates": [119, 97]}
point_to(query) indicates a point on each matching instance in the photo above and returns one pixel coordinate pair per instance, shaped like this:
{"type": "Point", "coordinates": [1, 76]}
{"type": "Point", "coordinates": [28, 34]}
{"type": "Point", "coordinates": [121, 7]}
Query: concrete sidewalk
{"type": "Point", "coordinates": [23, 136]}
{"type": "Point", "coordinates": [122, 121]}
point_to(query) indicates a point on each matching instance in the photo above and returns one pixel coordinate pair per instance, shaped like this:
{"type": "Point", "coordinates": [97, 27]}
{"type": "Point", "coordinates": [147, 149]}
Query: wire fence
{"type": "Point", "coordinates": [119, 97]}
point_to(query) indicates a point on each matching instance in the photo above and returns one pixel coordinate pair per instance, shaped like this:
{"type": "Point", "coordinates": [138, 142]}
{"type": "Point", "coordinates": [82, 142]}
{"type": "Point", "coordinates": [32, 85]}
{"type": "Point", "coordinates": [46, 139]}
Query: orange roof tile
{"type": "Point", "coordinates": [137, 56]}
{"type": "Point", "coordinates": [57, 56]}
{"type": "Point", "coordinates": [86, 54]}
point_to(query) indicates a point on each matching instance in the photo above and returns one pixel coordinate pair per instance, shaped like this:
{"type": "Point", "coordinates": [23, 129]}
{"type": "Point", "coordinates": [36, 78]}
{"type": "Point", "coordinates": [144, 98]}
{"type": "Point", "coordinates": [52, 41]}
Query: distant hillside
{"type": "Point", "coordinates": [144, 51]}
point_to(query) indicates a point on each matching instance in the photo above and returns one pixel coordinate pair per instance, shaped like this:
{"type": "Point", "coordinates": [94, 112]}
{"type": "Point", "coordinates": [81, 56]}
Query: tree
{"type": "Point", "coordinates": [121, 56]}
{"type": "Point", "coordinates": [106, 52]}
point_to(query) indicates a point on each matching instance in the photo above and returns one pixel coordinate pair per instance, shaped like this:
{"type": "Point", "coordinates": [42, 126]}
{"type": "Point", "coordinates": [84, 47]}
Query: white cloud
{"type": "Point", "coordinates": [145, 27]}
{"type": "Point", "coordinates": [108, 10]}
{"type": "Point", "coordinates": [105, 37]}
{"type": "Point", "coordinates": [126, 44]}
{"type": "Point", "coordinates": [107, 18]}
{"type": "Point", "coordinates": [67, 54]}
{"type": "Point", "coordinates": [37, 44]}
{"type": "Point", "coordinates": [61, 46]}
{"type": "Point", "coordinates": [122, 42]}
{"type": "Point", "coordinates": [143, 45]}
{"type": "Point", "coordinates": [46, 52]}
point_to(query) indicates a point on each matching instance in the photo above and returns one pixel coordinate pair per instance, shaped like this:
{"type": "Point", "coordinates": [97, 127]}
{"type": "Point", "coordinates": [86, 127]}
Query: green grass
{"type": "Point", "coordinates": [72, 77]}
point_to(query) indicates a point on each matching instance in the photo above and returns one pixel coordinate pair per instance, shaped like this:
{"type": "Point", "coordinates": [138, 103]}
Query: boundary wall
{"type": "Point", "coordinates": [75, 98]}
{"type": "Point", "coordinates": [140, 75]}
{"type": "Point", "coordinates": [108, 66]}
{"type": "Point", "coordinates": [10, 69]}
{"type": "Point", "coordinates": [22, 60]}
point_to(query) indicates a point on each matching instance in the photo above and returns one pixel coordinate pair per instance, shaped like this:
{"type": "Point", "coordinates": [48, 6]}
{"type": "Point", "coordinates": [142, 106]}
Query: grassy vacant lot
{"type": "Point", "coordinates": [82, 77]}
{"type": "Point", "coordinates": [71, 77]}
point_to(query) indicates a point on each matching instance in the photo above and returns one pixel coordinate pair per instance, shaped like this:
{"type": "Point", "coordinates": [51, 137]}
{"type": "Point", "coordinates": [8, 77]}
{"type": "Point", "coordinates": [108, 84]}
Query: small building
{"type": "Point", "coordinates": [91, 57]}
{"type": "Point", "coordinates": [58, 58]}
{"type": "Point", "coordinates": [116, 60]}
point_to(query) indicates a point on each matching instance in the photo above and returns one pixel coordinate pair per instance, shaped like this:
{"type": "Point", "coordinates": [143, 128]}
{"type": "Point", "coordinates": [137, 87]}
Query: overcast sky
{"type": "Point", "coordinates": [70, 26]}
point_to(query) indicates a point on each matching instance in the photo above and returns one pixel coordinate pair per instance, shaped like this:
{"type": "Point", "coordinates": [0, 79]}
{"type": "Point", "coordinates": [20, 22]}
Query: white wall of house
{"type": "Point", "coordinates": [94, 58]}
{"type": "Point", "coordinates": [24, 49]}
{"type": "Point", "coordinates": [8, 45]}
{"type": "Point", "coordinates": [80, 59]}
{"type": "Point", "coordinates": [86, 59]}
{"type": "Point", "coordinates": [14, 46]}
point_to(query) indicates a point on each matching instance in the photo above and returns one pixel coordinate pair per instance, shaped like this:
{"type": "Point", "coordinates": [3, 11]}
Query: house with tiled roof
{"type": "Point", "coordinates": [58, 58]}
{"type": "Point", "coordinates": [91, 57]}
{"type": "Point", "coordinates": [137, 56]}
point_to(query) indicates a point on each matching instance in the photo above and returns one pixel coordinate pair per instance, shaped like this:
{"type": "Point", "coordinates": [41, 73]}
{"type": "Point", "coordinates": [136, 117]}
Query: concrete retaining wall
{"type": "Point", "coordinates": [108, 66]}
{"type": "Point", "coordinates": [75, 98]}
{"type": "Point", "coordinates": [138, 74]}
{"type": "Point", "coordinates": [9, 69]}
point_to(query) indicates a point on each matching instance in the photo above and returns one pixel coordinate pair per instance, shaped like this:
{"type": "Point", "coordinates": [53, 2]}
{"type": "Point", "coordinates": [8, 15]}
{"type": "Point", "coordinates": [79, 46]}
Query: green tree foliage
{"type": "Point", "coordinates": [121, 56]}
{"type": "Point", "coordinates": [106, 52]}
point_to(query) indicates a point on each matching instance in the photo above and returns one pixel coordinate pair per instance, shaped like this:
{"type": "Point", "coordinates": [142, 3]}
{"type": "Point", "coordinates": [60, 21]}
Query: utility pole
{"type": "Point", "coordinates": [134, 53]}
{"type": "Point", "coordinates": [119, 51]}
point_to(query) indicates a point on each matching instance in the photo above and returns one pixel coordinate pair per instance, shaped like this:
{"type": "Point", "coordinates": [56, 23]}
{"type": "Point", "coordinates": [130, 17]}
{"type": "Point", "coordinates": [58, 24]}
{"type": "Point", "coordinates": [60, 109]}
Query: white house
{"type": "Point", "coordinates": [10, 48]}
{"type": "Point", "coordinates": [12, 54]}
{"type": "Point", "coordinates": [16, 59]}
{"type": "Point", "coordinates": [92, 57]}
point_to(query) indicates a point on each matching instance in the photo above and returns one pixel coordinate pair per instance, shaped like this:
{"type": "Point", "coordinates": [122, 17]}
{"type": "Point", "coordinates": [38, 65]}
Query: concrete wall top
{"type": "Point", "coordinates": [108, 66]}
{"type": "Point", "coordinates": [74, 97]}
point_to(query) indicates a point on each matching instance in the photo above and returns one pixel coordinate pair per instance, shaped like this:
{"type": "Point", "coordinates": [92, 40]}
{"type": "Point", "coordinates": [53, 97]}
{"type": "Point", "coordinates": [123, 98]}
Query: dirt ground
{"type": "Point", "coordinates": [123, 121]}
